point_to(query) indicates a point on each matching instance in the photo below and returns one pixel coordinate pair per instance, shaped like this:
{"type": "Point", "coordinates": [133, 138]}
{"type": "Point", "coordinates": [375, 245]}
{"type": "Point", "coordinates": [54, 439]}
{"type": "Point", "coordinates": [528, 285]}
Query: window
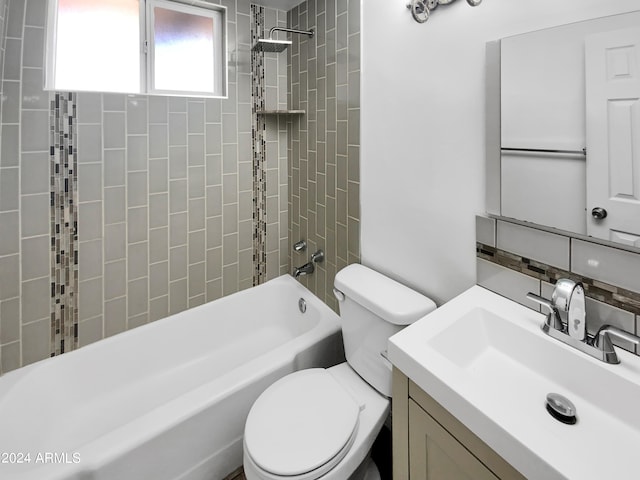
{"type": "Point", "coordinates": [137, 46]}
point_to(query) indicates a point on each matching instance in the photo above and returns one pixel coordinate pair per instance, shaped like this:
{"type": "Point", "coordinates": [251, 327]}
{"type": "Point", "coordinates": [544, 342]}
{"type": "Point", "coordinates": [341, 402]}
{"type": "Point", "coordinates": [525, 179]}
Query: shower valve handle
{"type": "Point", "coordinates": [317, 257]}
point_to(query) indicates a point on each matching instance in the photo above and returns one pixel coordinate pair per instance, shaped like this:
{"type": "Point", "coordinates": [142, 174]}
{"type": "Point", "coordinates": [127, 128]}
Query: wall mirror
{"type": "Point", "coordinates": [563, 128]}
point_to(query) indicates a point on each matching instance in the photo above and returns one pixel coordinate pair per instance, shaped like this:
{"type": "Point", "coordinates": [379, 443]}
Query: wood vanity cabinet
{"type": "Point", "coordinates": [431, 444]}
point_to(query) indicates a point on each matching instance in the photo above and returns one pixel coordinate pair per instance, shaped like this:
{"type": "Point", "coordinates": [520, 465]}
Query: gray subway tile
{"type": "Point", "coordinates": [89, 182]}
{"type": "Point", "coordinates": [9, 233]}
{"type": "Point", "coordinates": [9, 189]}
{"type": "Point", "coordinates": [158, 210]}
{"type": "Point", "coordinates": [90, 220]}
{"type": "Point", "coordinates": [158, 176]}
{"type": "Point", "coordinates": [115, 279]}
{"type": "Point", "coordinates": [138, 260]}
{"type": "Point", "coordinates": [90, 331]}
{"type": "Point", "coordinates": [158, 141]}
{"type": "Point", "coordinates": [158, 244]}
{"type": "Point", "coordinates": [11, 101]}
{"type": "Point", "coordinates": [10, 321]}
{"type": "Point", "coordinates": [33, 97]}
{"type": "Point", "coordinates": [115, 316]}
{"type": "Point", "coordinates": [114, 205]}
{"type": "Point", "coordinates": [90, 143]}
{"type": "Point", "coordinates": [114, 102]}
{"type": "Point", "coordinates": [9, 276]}
{"type": "Point", "coordinates": [10, 155]}
{"type": "Point", "coordinates": [159, 308]}
{"type": "Point", "coordinates": [89, 107]}
{"type": "Point", "coordinates": [137, 224]}
{"type": "Point", "coordinates": [36, 299]}
{"type": "Point", "coordinates": [114, 168]}
{"type": "Point", "coordinates": [137, 155]}
{"type": "Point", "coordinates": [178, 263]}
{"type": "Point", "coordinates": [12, 58]}
{"type": "Point", "coordinates": [178, 296]}
{"type": "Point", "coordinates": [197, 279]}
{"type": "Point", "coordinates": [486, 230]}
{"type": "Point", "coordinates": [137, 297]}
{"type": "Point", "coordinates": [90, 298]}
{"type": "Point", "coordinates": [115, 241]}
{"type": "Point", "coordinates": [33, 48]}
{"type": "Point", "coordinates": [36, 341]}
{"type": "Point", "coordinates": [159, 279]}
{"type": "Point", "coordinates": [114, 130]}
{"type": "Point", "coordinates": [35, 257]}
{"type": "Point", "coordinates": [137, 115]}
{"type": "Point", "coordinates": [535, 244]}
{"type": "Point", "coordinates": [506, 282]}
{"type": "Point", "coordinates": [606, 264]}
{"type": "Point", "coordinates": [11, 359]}
{"type": "Point", "coordinates": [90, 259]}
{"type": "Point", "coordinates": [36, 137]}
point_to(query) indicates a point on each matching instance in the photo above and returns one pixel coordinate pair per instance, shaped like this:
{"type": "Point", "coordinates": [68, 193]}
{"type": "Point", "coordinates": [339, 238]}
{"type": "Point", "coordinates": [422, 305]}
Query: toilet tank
{"type": "Point", "coordinates": [374, 307]}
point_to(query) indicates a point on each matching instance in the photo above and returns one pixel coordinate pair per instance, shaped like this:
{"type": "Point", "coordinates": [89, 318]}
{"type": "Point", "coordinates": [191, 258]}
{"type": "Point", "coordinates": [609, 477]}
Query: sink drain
{"type": "Point", "coordinates": [561, 408]}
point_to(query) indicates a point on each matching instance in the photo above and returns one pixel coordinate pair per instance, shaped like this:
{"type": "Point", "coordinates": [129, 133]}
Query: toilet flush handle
{"type": "Point", "coordinates": [338, 294]}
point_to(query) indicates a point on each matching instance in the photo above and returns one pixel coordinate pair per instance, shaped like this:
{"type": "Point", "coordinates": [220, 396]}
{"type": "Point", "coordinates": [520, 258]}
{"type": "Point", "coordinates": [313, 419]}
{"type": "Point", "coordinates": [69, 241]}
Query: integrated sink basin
{"type": "Point", "coordinates": [487, 361]}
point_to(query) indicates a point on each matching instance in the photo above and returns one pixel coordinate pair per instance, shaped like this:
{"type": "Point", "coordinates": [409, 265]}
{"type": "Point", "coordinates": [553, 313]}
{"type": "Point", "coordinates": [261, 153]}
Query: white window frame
{"type": "Point", "coordinates": [146, 47]}
{"type": "Point", "coordinates": [195, 7]}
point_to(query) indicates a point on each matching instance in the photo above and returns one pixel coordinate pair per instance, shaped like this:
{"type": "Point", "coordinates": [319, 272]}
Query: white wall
{"type": "Point", "coordinates": [422, 130]}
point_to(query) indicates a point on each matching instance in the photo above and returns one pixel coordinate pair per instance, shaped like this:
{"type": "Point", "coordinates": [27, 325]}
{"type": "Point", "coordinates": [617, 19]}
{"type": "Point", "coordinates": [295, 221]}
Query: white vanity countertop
{"type": "Point", "coordinates": [486, 360]}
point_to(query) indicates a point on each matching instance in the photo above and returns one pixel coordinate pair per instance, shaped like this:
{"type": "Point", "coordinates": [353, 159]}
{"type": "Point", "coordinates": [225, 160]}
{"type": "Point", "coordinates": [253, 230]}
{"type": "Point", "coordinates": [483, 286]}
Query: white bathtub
{"type": "Point", "coordinates": [164, 401]}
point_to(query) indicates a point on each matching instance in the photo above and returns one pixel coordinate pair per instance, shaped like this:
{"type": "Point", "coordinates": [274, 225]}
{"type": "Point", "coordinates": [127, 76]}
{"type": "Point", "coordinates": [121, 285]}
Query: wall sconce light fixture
{"type": "Point", "coordinates": [421, 9]}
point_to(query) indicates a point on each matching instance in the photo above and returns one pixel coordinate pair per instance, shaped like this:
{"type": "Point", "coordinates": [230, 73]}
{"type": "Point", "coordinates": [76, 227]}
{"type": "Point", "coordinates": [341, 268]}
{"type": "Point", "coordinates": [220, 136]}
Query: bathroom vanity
{"type": "Point", "coordinates": [430, 443]}
{"type": "Point", "coordinates": [473, 395]}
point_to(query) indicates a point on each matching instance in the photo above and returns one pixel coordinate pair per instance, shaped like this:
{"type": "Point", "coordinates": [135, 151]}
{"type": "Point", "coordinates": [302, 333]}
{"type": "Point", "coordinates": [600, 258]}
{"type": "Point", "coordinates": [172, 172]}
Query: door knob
{"type": "Point", "coordinates": [599, 213]}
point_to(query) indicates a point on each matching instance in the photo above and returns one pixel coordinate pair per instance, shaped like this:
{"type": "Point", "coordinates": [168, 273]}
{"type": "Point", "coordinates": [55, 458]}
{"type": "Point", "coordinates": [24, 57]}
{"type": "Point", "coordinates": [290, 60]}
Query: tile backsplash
{"type": "Point", "coordinates": [513, 259]}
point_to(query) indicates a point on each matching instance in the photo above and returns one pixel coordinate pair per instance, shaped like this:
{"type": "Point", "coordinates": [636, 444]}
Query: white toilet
{"type": "Point", "coordinates": [321, 423]}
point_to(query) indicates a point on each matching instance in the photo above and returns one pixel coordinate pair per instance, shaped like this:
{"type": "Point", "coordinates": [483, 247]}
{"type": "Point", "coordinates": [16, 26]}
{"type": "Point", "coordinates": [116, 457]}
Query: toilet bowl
{"type": "Point", "coordinates": [321, 423]}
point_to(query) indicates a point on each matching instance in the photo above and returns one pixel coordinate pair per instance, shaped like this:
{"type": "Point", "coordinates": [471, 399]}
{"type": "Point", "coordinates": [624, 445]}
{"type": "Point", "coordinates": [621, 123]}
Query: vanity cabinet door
{"type": "Point", "coordinates": [436, 455]}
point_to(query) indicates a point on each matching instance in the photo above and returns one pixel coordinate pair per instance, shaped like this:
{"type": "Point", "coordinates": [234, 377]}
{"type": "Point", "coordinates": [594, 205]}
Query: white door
{"type": "Point", "coordinates": [613, 135]}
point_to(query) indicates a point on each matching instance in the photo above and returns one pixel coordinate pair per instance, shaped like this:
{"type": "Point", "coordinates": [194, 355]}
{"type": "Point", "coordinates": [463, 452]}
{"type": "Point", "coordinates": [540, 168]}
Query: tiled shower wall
{"type": "Point", "coordinates": [325, 143]}
{"type": "Point", "coordinates": [513, 259]}
{"type": "Point", "coordinates": [165, 190]}
{"type": "Point", "coordinates": [25, 234]}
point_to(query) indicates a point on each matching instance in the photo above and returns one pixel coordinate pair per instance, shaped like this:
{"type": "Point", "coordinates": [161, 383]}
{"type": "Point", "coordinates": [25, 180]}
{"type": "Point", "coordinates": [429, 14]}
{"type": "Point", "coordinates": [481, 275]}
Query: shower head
{"type": "Point", "coordinates": [270, 45]}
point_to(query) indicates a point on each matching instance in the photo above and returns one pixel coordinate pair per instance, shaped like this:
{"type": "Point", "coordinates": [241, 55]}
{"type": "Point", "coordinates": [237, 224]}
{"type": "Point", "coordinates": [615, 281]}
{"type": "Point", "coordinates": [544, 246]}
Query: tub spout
{"type": "Point", "coordinates": [306, 269]}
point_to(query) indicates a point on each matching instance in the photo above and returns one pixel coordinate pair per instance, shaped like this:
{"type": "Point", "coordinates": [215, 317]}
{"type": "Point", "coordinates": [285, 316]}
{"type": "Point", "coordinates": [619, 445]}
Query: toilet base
{"type": "Point", "coordinates": [366, 471]}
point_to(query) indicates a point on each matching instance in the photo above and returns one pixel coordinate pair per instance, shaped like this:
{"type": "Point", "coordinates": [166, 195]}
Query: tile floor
{"type": "Point", "coordinates": [237, 475]}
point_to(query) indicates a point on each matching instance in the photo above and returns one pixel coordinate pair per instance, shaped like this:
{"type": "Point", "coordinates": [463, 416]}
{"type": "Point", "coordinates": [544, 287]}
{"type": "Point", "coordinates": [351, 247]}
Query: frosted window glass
{"type": "Point", "coordinates": [184, 51]}
{"type": "Point", "coordinates": [98, 46]}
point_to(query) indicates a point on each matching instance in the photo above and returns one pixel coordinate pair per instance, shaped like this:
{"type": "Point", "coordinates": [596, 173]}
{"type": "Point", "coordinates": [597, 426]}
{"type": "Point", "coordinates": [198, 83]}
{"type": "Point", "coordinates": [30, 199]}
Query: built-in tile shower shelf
{"type": "Point", "coordinates": [281, 112]}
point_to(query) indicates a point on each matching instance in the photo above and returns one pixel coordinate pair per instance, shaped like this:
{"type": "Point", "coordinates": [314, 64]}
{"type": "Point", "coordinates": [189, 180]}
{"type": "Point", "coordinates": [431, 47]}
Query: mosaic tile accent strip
{"type": "Point", "coordinates": [258, 150]}
{"type": "Point", "coordinates": [603, 292]}
{"type": "Point", "coordinates": [64, 225]}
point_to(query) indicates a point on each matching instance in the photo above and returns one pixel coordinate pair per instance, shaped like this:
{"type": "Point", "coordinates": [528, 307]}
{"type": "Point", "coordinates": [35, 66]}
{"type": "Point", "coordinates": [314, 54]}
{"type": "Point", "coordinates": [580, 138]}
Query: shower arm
{"type": "Point", "coordinates": [311, 33]}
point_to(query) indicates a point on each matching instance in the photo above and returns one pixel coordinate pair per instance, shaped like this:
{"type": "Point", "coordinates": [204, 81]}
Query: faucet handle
{"type": "Point", "coordinates": [553, 317]}
{"type": "Point", "coordinates": [317, 257]}
{"type": "Point", "coordinates": [602, 341]}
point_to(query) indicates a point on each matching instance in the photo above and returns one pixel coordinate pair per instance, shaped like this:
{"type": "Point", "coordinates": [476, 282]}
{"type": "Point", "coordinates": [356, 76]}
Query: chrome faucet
{"type": "Point", "coordinates": [309, 268]}
{"type": "Point", "coordinates": [567, 322]}
{"type": "Point", "coordinates": [306, 269]}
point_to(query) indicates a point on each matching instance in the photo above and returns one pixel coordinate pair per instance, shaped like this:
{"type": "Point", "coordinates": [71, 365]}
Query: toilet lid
{"type": "Point", "coordinates": [301, 423]}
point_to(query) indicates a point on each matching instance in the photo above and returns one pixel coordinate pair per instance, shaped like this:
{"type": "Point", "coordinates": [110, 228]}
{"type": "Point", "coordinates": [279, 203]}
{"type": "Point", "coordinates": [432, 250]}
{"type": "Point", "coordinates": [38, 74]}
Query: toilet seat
{"type": "Point", "coordinates": [301, 426]}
